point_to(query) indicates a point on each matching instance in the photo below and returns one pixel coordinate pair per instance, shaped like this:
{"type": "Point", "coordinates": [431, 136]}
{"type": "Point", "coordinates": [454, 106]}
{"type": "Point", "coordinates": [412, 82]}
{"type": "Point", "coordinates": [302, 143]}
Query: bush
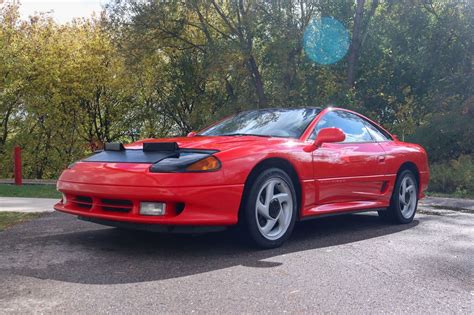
{"type": "Point", "coordinates": [454, 177]}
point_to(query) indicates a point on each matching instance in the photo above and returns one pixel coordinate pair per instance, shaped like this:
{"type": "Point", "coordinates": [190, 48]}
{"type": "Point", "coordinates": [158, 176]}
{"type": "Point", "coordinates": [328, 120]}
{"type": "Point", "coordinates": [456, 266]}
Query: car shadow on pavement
{"type": "Point", "coordinates": [59, 247]}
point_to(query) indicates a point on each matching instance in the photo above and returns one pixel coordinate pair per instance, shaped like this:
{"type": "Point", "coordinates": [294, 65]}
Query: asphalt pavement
{"type": "Point", "coordinates": [346, 264]}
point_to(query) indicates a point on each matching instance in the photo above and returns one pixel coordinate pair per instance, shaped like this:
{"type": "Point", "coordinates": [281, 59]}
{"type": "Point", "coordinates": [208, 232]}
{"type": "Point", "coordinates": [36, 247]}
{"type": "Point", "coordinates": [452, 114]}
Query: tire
{"type": "Point", "coordinates": [404, 201]}
{"type": "Point", "coordinates": [270, 222]}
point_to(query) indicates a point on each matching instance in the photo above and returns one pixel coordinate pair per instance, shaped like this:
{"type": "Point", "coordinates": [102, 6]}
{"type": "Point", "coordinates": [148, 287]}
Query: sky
{"type": "Point", "coordinates": [63, 10]}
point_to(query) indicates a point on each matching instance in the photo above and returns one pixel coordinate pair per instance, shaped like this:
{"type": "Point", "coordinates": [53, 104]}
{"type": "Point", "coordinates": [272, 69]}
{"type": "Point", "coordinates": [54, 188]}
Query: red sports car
{"type": "Point", "coordinates": [261, 169]}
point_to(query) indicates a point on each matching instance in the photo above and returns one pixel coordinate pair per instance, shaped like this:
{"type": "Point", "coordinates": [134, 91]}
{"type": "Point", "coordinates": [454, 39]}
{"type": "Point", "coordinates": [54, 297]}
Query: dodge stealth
{"type": "Point", "coordinates": [260, 170]}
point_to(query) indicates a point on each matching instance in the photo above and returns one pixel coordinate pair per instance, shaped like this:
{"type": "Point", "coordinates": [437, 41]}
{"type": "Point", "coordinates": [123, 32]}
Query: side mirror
{"type": "Point", "coordinates": [192, 134]}
{"type": "Point", "coordinates": [326, 135]}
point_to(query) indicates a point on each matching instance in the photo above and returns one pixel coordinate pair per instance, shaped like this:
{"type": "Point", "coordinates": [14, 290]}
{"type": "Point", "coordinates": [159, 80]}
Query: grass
{"type": "Point", "coordinates": [9, 218]}
{"type": "Point", "coordinates": [34, 191]}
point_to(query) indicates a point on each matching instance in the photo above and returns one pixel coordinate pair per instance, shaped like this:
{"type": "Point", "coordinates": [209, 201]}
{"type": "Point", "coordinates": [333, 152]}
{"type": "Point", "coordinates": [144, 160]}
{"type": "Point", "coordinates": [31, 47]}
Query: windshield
{"type": "Point", "coordinates": [286, 123]}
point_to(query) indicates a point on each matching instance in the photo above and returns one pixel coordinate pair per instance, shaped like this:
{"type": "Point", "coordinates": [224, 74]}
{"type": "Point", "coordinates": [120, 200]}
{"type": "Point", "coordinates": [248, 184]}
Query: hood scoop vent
{"type": "Point", "coordinates": [160, 146]}
{"type": "Point", "coordinates": [114, 146]}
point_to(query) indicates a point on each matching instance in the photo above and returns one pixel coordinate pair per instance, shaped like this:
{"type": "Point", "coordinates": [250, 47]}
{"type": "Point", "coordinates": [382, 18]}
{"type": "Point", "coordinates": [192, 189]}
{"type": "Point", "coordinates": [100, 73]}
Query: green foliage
{"type": "Point", "coordinates": [71, 92]}
{"type": "Point", "coordinates": [446, 135]}
{"type": "Point", "coordinates": [454, 177]}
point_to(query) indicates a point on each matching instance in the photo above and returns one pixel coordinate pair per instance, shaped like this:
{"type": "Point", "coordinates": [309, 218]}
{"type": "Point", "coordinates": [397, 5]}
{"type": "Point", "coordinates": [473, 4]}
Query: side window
{"type": "Point", "coordinates": [353, 126]}
{"type": "Point", "coordinates": [376, 133]}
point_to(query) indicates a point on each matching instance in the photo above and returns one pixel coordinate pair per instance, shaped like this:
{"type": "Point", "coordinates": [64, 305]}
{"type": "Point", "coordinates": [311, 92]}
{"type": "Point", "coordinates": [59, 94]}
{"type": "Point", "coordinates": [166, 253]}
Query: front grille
{"type": "Point", "coordinates": [116, 205]}
{"type": "Point", "coordinates": [96, 204]}
{"type": "Point", "coordinates": [82, 202]}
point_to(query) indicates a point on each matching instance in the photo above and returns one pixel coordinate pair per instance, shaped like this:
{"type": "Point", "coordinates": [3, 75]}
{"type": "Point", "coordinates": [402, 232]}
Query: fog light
{"type": "Point", "coordinates": [152, 208]}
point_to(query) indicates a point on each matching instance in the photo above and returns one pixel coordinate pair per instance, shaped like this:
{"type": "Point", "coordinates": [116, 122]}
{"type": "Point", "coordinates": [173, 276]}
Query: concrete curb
{"type": "Point", "coordinates": [448, 203]}
{"type": "Point", "coordinates": [27, 204]}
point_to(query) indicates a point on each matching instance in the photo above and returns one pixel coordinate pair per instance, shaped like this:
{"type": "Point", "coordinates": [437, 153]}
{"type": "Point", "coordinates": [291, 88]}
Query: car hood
{"type": "Point", "coordinates": [220, 143]}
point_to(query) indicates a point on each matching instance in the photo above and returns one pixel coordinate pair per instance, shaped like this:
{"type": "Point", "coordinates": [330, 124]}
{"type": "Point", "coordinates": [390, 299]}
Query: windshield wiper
{"type": "Point", "coordinates": [244, 134]}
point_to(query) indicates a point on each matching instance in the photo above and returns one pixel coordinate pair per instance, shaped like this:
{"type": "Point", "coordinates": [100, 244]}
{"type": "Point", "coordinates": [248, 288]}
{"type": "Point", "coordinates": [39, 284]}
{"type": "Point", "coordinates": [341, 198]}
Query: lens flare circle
{"type": "Point", "coordinates": [325, 40]}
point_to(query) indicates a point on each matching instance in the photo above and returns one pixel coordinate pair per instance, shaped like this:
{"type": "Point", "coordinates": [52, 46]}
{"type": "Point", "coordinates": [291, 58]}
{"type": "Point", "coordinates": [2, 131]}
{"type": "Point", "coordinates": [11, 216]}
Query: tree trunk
{"type": "Point", "coordinates": [355, 43]}
{"type": "Point", "coordinates": [6, 119]}
{"type": "Point", "coordinates": [257, 78]}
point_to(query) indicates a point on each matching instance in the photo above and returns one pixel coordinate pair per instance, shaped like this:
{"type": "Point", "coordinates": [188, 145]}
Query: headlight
{"type": "Point", "coordinates": [187, 162]}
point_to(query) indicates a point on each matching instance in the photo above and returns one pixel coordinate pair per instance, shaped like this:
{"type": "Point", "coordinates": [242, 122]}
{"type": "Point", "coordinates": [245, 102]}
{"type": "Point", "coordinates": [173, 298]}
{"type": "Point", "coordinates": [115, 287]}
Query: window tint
{"type": "Point", "coordinates": [376, 133]}
{"type": "Point", "coordinates": [352, 126]}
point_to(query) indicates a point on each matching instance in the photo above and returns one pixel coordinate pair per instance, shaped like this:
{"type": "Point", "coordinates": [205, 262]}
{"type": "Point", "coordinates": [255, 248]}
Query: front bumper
{"type": "Point", "coordinates": [190, 206]}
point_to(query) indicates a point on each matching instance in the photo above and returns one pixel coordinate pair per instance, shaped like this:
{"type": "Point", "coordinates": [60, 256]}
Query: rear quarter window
{"type": "Point", "coordinates": [377, 133]}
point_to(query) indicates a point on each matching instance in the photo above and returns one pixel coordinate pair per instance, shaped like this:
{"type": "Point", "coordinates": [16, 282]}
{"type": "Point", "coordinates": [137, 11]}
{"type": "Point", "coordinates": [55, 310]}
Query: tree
{"type": "Point", "coordinates": [359, 33]}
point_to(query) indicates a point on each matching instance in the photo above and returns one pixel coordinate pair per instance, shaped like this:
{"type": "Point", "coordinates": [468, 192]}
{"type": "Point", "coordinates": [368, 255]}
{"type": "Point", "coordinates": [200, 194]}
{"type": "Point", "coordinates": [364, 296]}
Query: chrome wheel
{"type": "Point", "coordinates": [407, 197]}
{"type": "Point", "coordinates": [274, 208]}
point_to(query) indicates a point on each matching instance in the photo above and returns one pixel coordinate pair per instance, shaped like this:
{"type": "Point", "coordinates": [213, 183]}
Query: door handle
{"type": "Point", "coordinates": [381, 158]}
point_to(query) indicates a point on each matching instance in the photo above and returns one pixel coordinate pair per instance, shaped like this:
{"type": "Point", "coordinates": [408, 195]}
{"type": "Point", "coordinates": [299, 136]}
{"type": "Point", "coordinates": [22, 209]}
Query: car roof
{"type": "Point", "coordinates": [270, 109]}
{"type": "Point", "coordinates": [286, 108]}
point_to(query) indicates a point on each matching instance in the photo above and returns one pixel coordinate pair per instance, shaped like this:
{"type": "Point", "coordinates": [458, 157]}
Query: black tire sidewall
{"type": "Point", "coordinates": [250, 222]}
{"type": "Point", "coordinates": [395, 202]}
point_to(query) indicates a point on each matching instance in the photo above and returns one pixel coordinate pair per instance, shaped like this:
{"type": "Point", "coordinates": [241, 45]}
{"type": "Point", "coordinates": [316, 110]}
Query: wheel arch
{"type": "Point", "coordinates": [267, 163]}
{"type": "Point", "coordinates": [412, 167]}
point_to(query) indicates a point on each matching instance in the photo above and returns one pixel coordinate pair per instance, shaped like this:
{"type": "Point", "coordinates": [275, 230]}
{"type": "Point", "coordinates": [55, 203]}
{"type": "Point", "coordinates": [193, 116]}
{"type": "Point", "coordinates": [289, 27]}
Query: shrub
{"type": "Point", "coordinates": [454, 177]}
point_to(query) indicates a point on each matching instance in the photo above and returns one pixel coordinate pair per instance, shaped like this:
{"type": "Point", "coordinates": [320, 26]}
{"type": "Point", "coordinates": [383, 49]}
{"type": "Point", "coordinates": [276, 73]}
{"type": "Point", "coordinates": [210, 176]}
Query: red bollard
{"type": "Point", "coordinates": [17, 158]}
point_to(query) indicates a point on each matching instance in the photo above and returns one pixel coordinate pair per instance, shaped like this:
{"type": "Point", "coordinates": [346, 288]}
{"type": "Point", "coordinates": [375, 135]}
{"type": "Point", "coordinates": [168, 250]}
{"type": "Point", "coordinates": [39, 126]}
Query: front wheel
{"type": "Point", "coordinates": [404, 199]}
{"type": "Point", "coordinates": [270, 210]}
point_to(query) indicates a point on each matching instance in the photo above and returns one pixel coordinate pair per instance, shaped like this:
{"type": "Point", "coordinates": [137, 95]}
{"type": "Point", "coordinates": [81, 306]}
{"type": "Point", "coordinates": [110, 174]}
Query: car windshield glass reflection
{"type": "Point", "coordinates": [286, 123]}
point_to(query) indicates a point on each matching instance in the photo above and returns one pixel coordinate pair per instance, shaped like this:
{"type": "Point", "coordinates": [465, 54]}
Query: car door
{"type": "Point", "coordinates": [352, 170]}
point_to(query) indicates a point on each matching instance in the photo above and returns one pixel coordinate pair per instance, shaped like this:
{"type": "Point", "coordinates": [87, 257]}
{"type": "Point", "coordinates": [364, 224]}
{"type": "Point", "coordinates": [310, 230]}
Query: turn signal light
{"type": "Point", "coordinates": [208, 164]}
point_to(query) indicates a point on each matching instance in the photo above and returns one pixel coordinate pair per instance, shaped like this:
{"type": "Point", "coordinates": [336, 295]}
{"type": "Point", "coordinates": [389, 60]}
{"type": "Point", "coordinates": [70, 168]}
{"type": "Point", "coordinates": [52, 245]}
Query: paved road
{"type": "Point", "coordinates": [349, 264]}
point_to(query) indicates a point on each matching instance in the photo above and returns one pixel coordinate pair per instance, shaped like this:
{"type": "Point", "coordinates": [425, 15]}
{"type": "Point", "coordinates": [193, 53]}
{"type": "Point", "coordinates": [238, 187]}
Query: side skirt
{"type": "Point", "coordinates": [333, 214]}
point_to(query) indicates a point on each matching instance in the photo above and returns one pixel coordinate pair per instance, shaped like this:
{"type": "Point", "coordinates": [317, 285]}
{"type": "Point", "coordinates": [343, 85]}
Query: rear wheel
{"type": "Point", "coordinates": [404, 200]}
{"type": "Point", "coordinates": [270, 210]}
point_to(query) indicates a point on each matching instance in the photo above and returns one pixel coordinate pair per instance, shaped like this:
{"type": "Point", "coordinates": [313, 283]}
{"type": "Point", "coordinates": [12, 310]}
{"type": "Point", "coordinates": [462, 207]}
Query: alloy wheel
{"type": "Point", "coordinates": [274, 207]}
{"type": "Point", "coordinates": [407, 197]}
